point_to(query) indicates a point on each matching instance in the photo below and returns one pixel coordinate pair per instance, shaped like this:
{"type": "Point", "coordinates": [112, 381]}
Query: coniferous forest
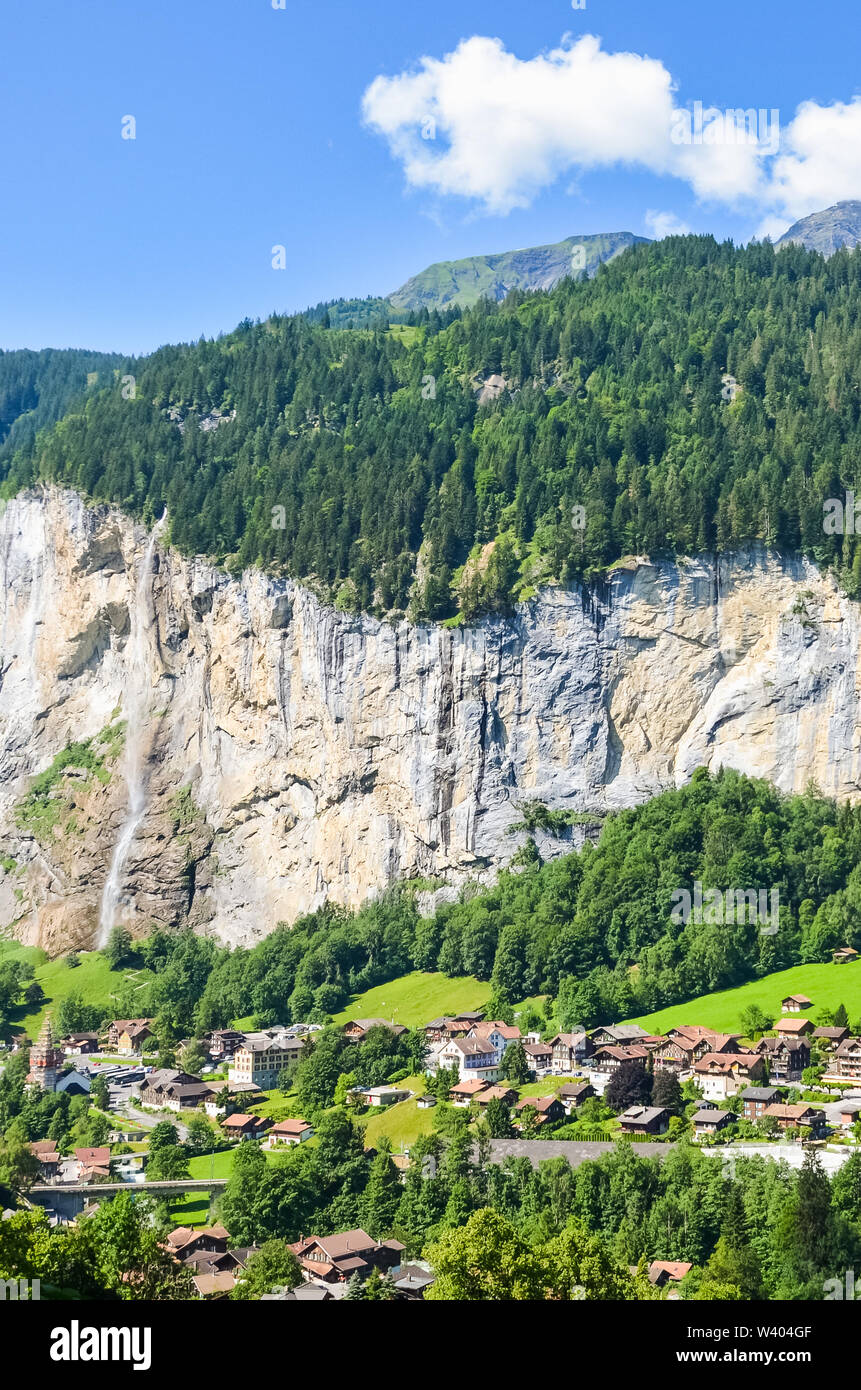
{"type": "Point", "coordinates": [388, 478]}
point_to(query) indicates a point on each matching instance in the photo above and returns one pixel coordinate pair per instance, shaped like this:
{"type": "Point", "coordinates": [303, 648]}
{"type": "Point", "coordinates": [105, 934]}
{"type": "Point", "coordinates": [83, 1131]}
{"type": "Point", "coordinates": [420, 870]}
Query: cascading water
{"type": "Point", "coordinates": [136, 707]}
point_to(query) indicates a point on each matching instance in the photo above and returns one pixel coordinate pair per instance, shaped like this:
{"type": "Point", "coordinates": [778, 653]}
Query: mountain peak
{"type": "Point", "coordinates": [448, 283]}
{"type": "Point", "coordinates": [828, 230]}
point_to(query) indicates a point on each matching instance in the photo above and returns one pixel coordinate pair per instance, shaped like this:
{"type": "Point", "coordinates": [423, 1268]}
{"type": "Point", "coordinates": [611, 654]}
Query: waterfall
{"type": "Point", "coordinates": [136, 701]}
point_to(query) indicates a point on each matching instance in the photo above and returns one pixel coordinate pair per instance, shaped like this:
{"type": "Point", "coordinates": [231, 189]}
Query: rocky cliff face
{"type": "Point", "coordinates": [291, 753]}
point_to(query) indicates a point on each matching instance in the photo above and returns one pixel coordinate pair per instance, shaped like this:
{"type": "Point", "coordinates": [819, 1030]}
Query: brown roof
{"type": "Point", "coordinates": [725, 1061]}
{"type": "Point", "coordinates": [674, 1269]}
{"type": "Point", "coordinates": [43, 1148]}
{"type": "Point", "coordinates": [789, 1112]}
{"type": "Point", "coordinates": [92, 1157]}
{"type": "Point", "coordinates": [337, 1247]}
{"type": "Point", "coordinates": [214, 1283]}
{"type": "Point", "coordinates": [792, 1025]}
{"type": "Point", "coordinates": [290, 1127]}
{"type": "Point", "coordinates": [469, 1088]}
{"type": "Point", "coordinates": [496, 1093]}
{"type": "Point", "coordinates": [539, 1103]}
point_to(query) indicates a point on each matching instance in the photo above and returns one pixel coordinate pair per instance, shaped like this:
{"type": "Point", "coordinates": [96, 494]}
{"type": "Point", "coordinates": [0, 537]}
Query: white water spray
{"type": "Point", "coordinates": [136, 707]}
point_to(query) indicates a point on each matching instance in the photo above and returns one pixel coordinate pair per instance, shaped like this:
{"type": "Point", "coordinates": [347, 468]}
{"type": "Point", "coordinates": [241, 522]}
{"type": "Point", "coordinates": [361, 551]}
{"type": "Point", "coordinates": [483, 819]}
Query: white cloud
{"type": "Point", "coordinates": [661, 224]}
{"type": "Point", "coordinates": [503, 128]}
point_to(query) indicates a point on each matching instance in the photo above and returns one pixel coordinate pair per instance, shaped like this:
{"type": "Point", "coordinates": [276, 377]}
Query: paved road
{"type": "Point", "coordinates": [104, 1189]}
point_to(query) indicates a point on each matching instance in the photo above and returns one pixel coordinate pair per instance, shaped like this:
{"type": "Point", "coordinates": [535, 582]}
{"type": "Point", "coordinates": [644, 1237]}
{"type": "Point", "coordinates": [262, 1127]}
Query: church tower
{"type": "Point", "coordinates": [45, 1060]}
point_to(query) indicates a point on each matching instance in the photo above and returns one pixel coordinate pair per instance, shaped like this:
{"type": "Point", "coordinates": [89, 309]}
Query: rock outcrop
{"type": "Point", "coordinates": [294, 752]}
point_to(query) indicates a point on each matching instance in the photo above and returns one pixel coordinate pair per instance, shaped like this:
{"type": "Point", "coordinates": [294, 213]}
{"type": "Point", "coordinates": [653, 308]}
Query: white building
{"type": "Point", "coordinates": [263, 1056]}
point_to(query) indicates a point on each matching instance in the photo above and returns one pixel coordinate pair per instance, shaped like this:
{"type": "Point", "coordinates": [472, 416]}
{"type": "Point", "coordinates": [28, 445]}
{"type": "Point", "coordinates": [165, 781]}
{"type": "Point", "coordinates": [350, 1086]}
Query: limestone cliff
{"type": "Point", "coordinates": [292, 753]}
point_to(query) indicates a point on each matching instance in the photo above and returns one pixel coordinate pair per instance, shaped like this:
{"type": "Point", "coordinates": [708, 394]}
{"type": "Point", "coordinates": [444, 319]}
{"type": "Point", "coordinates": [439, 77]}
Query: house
{"type": "Point", "coordinates": [795, 1003]}
{"type": "Point", "coordinates": [245, 1126]}
{"type": "Point", "coordinates": [74, 1083]}
{"type": "Point", "coordinates": [793, 1027]}
{"type": "Point", "coordinates": [465, 1091]}
{"type": "Point", "coordinates": [261, 1057]}
{"type": "Point", "coordinates": [723, 1074]}
{"type": "Point", "coordinates": [645, 1119]}
{"type": "Point", "coordinates": [506, 1094]}
{"type": "Point", "coordinates": [686, 1045]}
{"type": "Point", "coordinates": [77, 1044]}
{"type": "Point", "coordinates": [170, 1089]}
{"type": "Point", "coordinates": [500, 1035]}
{"type": "Point", "coordinates": [358, 1028]}
{"type": "Point", "coordinates": [569, 1050]}
{"type": "Point", "coordinates": [183, 1242]}
{"type": "Point", "coordinates": [844, 1064]}
{"type": "Point", "coordinates": [215, 1286]}
{"type": "Point", "coordinates": [472, 1057]}
{"type": "Point", "coordinates": [755, 1100]}
{"type": "Point", "coordinates": [844, 956]}
{"type": "Point", "coordinates": [426, 1102]}
{"type": "Point", "coordinates": [847, 1115]}
{"type": "Point", "coordinates": [786, 1057]}
{"type": "Point", "coordinates": [334, 1259]}
{"type": "Point", "coordinates": [797, 1116]}
{"type": "Point", "coordinates": [441, 1030]}
{"type": "Point", "coordinates": [413, 1281]}
{"type": "Point", "coordinates": [288, 1132]}
{"type": "Point", "coordinates": [539, 1058]}
{"type": "Point", "coordinates": [45, 1151]}
{"type": "Point", "coordinates": [547, 1108]}
{"type": "Point", "coordinates": [608, 1058]}
{"type": "Point", "coordinates": [613, 1033]}
{"type": "Point", "coordinates": [93, 1164]}
{"type": "Point", "coordinates": [662, 1272]}
{"type": "Point", "coordinates": [222, 1043]}
{"type": "Point", "coordinates": [573, 1095]}
{"type": "Point", "coordinates": [127, 1035]}
{"type": "Point", "coordinates": [381, 1095]}
{"type": "Point", "coordinates": [829, 1038]}
{"type": "Point", "coordinates": [709, 1121]}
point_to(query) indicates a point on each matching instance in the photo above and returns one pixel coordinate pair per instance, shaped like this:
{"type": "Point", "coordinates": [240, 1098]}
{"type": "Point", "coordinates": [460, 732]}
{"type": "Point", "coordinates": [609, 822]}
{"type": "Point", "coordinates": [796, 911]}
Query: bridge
{"type": "Point", "coordinates": [68, 1198]}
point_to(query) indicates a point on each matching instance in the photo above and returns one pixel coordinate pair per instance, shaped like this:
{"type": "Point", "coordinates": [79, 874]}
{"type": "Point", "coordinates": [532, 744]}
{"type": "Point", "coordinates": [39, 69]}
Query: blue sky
{"type": "Point", "coordinates": [250, 134]}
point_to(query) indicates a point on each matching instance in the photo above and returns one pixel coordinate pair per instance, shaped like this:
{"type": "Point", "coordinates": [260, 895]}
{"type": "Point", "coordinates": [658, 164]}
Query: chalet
{"type": "Point", "coordinates": [499, 1035]}
{"type": "Point", "coordinates": [466, 1091]}
{"type": "Point", "coordinates": [755, 1100]}
{"type": "Point", "coordinates": [288, 1132]}
{"type": "Point", "coordinates": [845, 956]}
{"type": "Point", "coordinates": [797, 1117]}
{"type": "Point", "coordinates": [506, 1094]}
{"type": "Point", "coordinates": [539, 1058]}
{"type": "Point", "coordinates": [572, 1096]}
{"type": "Point", "coordinates": [613, 1033]}
{"type": "Point", "coordinates": [45, 1152]}
{"type": "Point", "coordinates": [127, 1035]}
{"type": "Point", "coordinates": [844, 1064]}
{"type": "Point", "coordinates": [382, 1095]}
{"type": "Point", "coordinates": [357, 1029]}
{"type": "Point", "coordinates": [793, 1027]}
{"type": "Point", "coordinates": [849, 1113]}
{"type": "Point", "coordinates": [222, 1043]}
{"type": "Point", "coordinates": [662, 1272]}
{"type": "Point", "coordinates": [170, 1089]}
{"type": "Point", "coordinates": [245, 1126]}
{"type": "Point", "coordinates": [426, 1101]}
{"type": "Point", "coordinates": [547, 1108]}
{"type": "Point", "coordinates": [795, 1003]}
{"type": "Point", "coordinates": [829, 1038]}
{"type": "Point", "coordinates": [709, 1121]}
{"type": "Point", "coordinates": [723, 1074]}
{"type": "Point", "coordinates": [645, 1119]}
{"type": "Point", "coordinates": [334, 1259]}
{"type": "Point", "coordinates": [261, 1057]}
{"type": "Point", "coordinates": [609, 1058]}
{"type": "Point", "coordinates": [472, 1057]}
{"type": "Point", "coordinates": [569, 1050]}
{"type": "Point", "coordinates": [93, 1164]}
{"type": "Point", "coordinates": [183, 1242]}
{"type": "Point", "coordinates": [687, 1045]}
{"type": "Point", "coordinates": [441, 1030]}
{"type": "Point", "coordinates": [786, 1057]}
{"type": "Point", "coordinates": [78, 1044]}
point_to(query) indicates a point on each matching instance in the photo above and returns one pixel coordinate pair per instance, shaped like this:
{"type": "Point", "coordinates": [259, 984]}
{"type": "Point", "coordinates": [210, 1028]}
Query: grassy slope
{"type": "Point", "coordinates": [417, 998]}
{"type": "Point", "coordinates": [93, 979]}
{"type": "Point", "coordinates": [825, 985]}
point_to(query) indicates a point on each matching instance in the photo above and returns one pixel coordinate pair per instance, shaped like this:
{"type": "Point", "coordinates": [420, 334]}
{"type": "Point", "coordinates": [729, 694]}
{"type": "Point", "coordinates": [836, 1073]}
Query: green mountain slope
{"type": "Point", "coordinates": [827, 231]}
{"type": "Point", "coordinates": [36, 388]}
{"type": "Point", "coordinates": [535, 268]}
{"type": "Point", "coordinates": [434, 466]}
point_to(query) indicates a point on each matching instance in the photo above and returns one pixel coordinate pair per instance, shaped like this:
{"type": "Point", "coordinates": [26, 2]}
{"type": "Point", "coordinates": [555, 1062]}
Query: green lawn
{"type": "Point", "coordinates": [417, 998]}
{"type": "Point", "coordinates": [93, 979]}
{"type": "Point", "coordinates": [402, 1123]}
{"type": "Point", "coordinates": [825, 985]}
